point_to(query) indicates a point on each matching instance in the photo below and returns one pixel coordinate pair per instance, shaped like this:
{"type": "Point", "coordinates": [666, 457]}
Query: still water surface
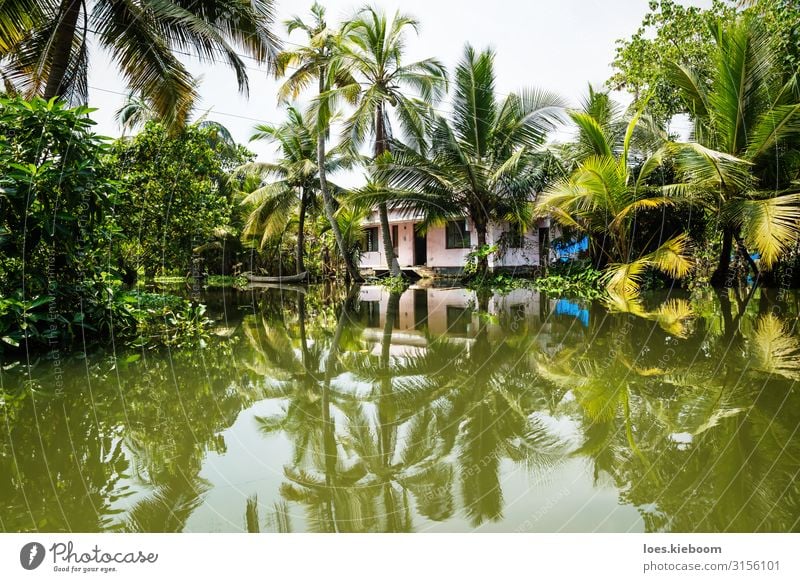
{"type": "Point", "coordinates": [436, 410]}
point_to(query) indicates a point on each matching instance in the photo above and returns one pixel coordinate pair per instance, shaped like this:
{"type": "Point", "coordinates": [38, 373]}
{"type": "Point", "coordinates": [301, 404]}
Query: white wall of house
{"type": "Point", "coordinates": [439, 256]}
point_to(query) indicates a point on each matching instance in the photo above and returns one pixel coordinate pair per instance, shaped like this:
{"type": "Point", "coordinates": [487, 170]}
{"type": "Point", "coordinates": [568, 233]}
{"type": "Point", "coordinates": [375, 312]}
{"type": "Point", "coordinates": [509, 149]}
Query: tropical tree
{"type": "Point", "coordinates": [483, 161]}
{"type": "Point", "coordinates": [373, 50]}
{"type": "Point", "coordinates": [296, 184]}
{"type": "Point", "coordinates": [174, 196]}
{"type": "Point", "coordinates": [602, 197]}
{"type": "Point", "coordinates": [319, 60]}
{"type": "Point", "coordinates": [46, 52]}
{"type": "Point", "coordinates": [742, 165]}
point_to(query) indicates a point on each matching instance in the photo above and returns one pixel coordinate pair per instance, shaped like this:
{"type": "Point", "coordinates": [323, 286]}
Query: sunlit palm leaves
{"type": "Point", "coordinates": [739, 167]}
{"type": "Point", "coordinates": [602, 196]}
{"type": "Point", "coordinates": [45, 47]}
{"type": "Point", "coordinates": [775, 350]}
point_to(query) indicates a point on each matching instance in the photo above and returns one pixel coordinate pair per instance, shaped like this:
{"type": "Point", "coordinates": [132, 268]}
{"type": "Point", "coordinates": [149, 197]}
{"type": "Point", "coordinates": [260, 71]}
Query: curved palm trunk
{"type": "Point", "coordinates": [381, 147]}
{"type": "Point", "coordinates": [327, 199]}
{"type": "Point", "coordinates": [301, 236]}
{"type": "Point", "coordinates": [61, 48]}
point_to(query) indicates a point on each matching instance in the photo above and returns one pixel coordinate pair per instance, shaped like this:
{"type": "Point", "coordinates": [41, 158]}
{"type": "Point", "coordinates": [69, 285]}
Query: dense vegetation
{"type": "Point", "coordinates": [84, 220]}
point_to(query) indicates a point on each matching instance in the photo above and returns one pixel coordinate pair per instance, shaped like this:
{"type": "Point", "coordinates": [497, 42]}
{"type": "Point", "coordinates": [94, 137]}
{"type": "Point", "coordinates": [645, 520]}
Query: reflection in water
{"type": "Point", "coordinates": [427, 410]}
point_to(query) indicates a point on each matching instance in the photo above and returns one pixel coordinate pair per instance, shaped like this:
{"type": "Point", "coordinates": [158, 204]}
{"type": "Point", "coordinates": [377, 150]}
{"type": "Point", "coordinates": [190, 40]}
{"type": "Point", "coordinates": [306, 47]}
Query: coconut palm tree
{"type": "Point", "coordinates": [482, 161]}
{"type": "Point", "coordinates": [46, 52]}
{"type": "Point", "coordinates": [318, 61]}
{"type": "Point", "coordinates": [743, 163]}
{"type": "Point", "coordinates": [296, 186]}
{"type": "Point", "coordinates": [602, 196]}
{"type": "Point", "coordinates": [373, 50]}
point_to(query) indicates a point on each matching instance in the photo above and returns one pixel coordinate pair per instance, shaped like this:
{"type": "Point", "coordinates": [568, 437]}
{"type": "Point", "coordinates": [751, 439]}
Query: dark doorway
{"type": "Point", "coordinates": [420, 248]}
{"type": "Point", "coordinates": [420, 309]}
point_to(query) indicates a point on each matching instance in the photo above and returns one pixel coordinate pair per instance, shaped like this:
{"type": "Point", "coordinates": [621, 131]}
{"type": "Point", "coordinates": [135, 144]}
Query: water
{"type": "Point", "coordinates": [432, 411]}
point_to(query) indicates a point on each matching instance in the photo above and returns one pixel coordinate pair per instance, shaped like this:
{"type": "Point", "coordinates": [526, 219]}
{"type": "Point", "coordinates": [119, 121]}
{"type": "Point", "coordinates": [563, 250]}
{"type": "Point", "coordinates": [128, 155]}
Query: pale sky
{"type": "Point", "coordinates": [559, 45]}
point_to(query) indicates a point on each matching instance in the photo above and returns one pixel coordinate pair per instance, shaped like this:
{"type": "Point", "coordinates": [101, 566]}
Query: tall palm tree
{"type": "Point", "coordinates": [296, 185]}
{"type": "Point", "coordinates": [51, 55]}
{"type": "Point", "coordinates": [373, 49]}
{"type": "Point", "coordinates": [319, 60]}
{"type": "Point", "coordinates": [483, 161]}
{"type": "Point", "coordinates": [602, 196]}
{"type": "Point", "coordinates": [743, 164]}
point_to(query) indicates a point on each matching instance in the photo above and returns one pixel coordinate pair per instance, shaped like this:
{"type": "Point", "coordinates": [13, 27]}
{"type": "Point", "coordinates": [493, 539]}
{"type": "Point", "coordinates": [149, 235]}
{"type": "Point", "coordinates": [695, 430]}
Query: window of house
{"type": "Point", "coordinates": [515, 237]}
{"type": "Point", "coordinates": [395, 237]}
{"type": "Point", "coordinates": [371, 239]}
{"type": "Point", "coordinates": [457, 236]}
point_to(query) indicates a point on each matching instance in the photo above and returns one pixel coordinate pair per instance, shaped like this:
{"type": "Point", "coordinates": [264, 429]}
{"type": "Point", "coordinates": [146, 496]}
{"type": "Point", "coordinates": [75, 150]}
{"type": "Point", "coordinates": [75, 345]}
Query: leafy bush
{"type": "Point", "coordinates": [474, 257]}
{"type": "Point", "coordinates": [577, 278]}
{"type": "Point", "coordinates": [395, 284]}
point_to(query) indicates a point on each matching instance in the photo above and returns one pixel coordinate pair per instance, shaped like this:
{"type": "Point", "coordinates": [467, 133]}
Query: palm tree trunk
{"type": "Point", "coordinates": [483, 260]}
{"type": "Point", "coordinates": [386, 409]}
{"type": "Point", "coordinates": [301, 237]}
{"type": "Point", "coordinates": [61, 48]}
{"type": "Point", "coordinates": [327, 199]}
{"type": "Point", "coordinates": [720, 276]}
{"type": "Point", "coordinates": [597, 252]}
{"type": "Point", "coordinates": [381, 147]}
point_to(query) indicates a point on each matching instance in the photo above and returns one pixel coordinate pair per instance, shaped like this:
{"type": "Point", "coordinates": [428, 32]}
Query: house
{"type": "Point", "coordinates": [443, 249]}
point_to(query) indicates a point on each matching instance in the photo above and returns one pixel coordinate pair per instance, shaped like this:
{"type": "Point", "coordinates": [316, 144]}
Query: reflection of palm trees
{"type": "Point", "coordinates": [480, 398]}
{"type": "Point", "coordinates": [685, 430]}
{"type": "Point", "coordinates": [321, 478]}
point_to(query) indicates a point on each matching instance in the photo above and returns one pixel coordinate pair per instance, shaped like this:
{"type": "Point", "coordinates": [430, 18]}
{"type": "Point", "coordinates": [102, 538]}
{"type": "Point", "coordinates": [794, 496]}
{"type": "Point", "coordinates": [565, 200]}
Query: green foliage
{"type": "Point", "coordinates": [673, 33]}
{"type": "Point", "coordinates": [396, 284]}
{"type": "Point", "coordinates": [164, 320]}
{"type": "Point", "coordinates": [55, 194]}
{"type": "Point", "coordinates": [577, 279]}
{"type": "Point", "coordinates": [44, 46]}
{"type": "Point", "coordinates": [174, 199]}
{"type": "Point", "coordinates": [670, 32]}
{"type": "Point", "coordinates": [475, 257]}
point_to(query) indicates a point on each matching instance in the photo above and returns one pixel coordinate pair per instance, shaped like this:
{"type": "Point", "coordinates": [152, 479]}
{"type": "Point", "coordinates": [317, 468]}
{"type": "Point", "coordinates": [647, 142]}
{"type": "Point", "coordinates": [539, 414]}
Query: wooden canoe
{"type": "Point", "coordinates": [284, 279]}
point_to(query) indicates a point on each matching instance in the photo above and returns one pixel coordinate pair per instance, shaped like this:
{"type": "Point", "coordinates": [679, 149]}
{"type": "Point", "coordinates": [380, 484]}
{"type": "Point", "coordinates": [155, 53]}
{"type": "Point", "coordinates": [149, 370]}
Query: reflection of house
{"type": "Point", "coordinates": [444, 249]}
{"type": "Point", "coordinates": [451, 312]}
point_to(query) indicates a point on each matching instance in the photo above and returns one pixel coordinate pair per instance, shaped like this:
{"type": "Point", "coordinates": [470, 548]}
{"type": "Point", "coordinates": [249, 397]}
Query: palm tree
{"type": "Point", "coordinates": [16, 18]}
{"type": "Point", "coordinates": [483, 161]}
{"type": "Point", "coordinates": [602, 196]}
{"type": "Point", "coordinates": [320, 61]}
{"type": "Point", "coordinates": [373, 50]}
{"type": "Point", "coordinates": [743, 163]}
{"type": "Point", "coordinates": [297, 182]}
{"type": "Point", "coordinates": [47, 53]}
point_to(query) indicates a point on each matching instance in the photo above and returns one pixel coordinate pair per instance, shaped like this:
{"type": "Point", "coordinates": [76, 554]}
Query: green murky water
{"type": "Point", "coordinates": [430, 411]}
